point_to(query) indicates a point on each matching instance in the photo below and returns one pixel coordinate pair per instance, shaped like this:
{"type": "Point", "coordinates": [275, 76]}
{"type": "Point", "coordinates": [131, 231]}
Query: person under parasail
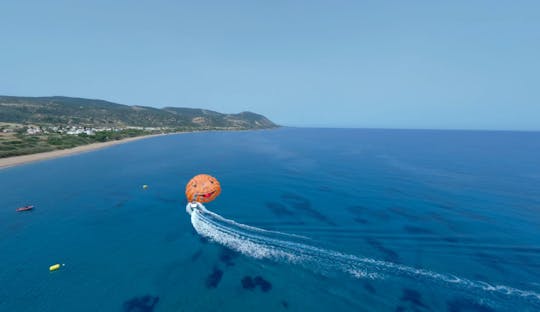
{"type": "Point", "coordinates": [194, 204]}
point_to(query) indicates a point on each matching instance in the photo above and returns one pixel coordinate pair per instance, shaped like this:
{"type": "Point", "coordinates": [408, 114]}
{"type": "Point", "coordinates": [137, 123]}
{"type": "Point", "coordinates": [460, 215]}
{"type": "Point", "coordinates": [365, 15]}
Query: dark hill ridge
{"type": "Point", "coordinates": [60, 110]}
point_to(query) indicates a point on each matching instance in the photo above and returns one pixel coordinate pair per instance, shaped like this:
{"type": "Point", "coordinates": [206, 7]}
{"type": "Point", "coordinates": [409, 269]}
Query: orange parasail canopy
{"type": "Point", "coordinates": [203, 188]}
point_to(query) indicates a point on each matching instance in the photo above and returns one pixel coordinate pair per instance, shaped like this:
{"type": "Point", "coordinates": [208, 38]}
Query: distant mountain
{"type": "Point", "coordinates": [60, 110]}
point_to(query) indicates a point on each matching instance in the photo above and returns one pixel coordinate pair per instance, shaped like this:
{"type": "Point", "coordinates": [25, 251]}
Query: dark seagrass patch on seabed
{"type": "Point", "coordinates": [227, 256]}
{"type": "Point", "coordinates": [196, 255]}
{"type": "Point", "coordinates": [411, 300]}
{"type": "Point", "coordinates": [262, 283]}
{"type": "Point", "coordinates": [121, 203]}
{"type": "Point", "coordinates": [213, 279]}
{"type": "Point", "coordinates": [360, 220]}
{"type": "Point", "coordinates": [250, 283]}
{"type": "Point", "coordinates": [145, 303]}
{"type": "Point", "coordinates": [451, 239]}
{"type": "Point", "coordinates": [389, 254]}
{"type": "Point", "coordinates": [369, 288]}
{"type": "Point", "coordinates": [278, 209]}
{"type": "Point", "coordinates": [413, 297]}
{"type": "Point", "coordinates": [303, 204]}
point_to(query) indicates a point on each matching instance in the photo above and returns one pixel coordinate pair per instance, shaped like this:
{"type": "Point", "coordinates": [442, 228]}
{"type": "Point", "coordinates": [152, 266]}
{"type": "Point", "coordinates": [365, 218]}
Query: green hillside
{"type": "Point", "coordinates": [31, 125]}
{"type": "Point", "coordinates": [59, 110]}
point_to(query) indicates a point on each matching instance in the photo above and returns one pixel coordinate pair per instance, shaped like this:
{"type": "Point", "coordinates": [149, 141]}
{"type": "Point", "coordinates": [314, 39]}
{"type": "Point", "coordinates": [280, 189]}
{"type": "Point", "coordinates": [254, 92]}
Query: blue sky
{"type": "Point", "coordinates": [383, 64]}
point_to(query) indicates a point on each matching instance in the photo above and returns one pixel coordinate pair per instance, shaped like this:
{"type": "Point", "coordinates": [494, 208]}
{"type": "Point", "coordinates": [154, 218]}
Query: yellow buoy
{"type": "Point", "coordinates": [54, 267]}
{"type": "Point", "coordinates": [145, 187]}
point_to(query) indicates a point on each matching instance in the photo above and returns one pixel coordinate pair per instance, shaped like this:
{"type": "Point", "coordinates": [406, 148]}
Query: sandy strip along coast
{"type": "Point", "coordinates": [24, 159]}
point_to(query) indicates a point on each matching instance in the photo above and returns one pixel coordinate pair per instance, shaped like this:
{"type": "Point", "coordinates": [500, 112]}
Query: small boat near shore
{"type": "Point", "coordinates": [25, 208]}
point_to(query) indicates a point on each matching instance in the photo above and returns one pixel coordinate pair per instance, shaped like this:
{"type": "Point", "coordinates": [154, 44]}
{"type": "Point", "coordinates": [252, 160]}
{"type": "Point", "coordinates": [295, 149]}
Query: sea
{"type": "Point", "coordinates": [308, 220]}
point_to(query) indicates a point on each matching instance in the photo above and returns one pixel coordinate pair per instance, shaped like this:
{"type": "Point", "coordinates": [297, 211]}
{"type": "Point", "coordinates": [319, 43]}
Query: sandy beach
{"type": "Point", "coordinates": [24, 159]}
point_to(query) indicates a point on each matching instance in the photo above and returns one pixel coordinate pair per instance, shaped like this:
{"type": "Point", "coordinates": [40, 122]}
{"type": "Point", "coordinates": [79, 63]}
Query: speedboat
{"type": "Point", "coordinates": [25, 208]}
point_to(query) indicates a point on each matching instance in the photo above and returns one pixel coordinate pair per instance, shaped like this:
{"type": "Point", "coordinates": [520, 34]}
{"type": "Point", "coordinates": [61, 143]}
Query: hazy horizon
{"type": "Point", "coordinates": [321, 126]}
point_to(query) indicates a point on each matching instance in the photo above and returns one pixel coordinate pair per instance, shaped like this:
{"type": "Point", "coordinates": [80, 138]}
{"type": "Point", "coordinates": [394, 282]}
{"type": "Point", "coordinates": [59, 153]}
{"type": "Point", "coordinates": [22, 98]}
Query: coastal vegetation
{"type": "Point", "coordinates": [20, 143]}
{"type": "Point", "coordinates": [31, 125]}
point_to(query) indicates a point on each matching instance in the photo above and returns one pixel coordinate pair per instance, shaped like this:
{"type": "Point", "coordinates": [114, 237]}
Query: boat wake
{"type": "Point", "coordinates": [282, 247]}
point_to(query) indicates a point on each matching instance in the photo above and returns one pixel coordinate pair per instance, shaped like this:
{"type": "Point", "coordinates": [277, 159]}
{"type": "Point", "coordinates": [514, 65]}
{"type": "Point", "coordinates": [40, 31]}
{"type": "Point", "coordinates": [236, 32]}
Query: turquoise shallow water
{"type": "Point", "coordinates": [401, 221]}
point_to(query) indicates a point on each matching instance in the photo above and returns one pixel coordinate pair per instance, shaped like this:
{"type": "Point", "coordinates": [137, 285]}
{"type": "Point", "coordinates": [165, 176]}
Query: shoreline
{"type": "Point", "coordinates": [25, 159]}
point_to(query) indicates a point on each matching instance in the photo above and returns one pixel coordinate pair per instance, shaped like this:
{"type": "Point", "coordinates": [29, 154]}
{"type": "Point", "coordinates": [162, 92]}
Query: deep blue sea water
{"type": "Point", "coordinates": [396, 220]}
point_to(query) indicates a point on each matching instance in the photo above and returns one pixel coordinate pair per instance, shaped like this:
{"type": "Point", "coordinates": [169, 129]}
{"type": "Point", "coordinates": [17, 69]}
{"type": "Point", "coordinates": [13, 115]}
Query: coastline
{"type": "Point", "coordinates": [25, 159]}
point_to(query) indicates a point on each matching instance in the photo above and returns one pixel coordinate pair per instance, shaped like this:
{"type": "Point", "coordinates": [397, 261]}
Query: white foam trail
{"type": "Point", "coordinates": [259, 243]}
{"type": "Point", "coordinates": [251, 228]}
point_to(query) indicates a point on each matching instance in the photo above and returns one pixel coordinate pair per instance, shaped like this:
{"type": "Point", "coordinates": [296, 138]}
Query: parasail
{"type": "Point", "coordinates": [203, 188]}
